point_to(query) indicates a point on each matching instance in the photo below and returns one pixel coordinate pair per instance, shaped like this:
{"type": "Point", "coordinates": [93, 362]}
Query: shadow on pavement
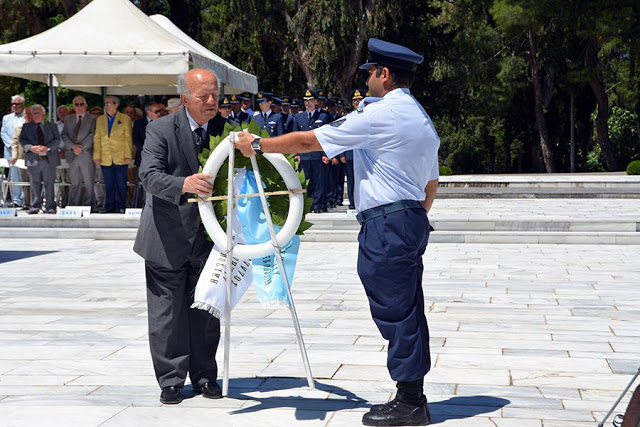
{"type": "Point", "coordinates": [459, 407]}
{"type": "Point", "coordinates": [8, 256]}
{"type": "Point", "coordinates": [312, 408]}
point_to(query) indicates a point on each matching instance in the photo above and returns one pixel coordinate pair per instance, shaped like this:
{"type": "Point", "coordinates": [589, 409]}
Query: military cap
{"type": "Point", "coordinates": [245, 96]}
{"type": "Point", "coordinates": [309, 94]}
{"type": "Point", "coordinates": [340, 102]}
{"type": "Point", "coordinates": [356, 94]}
{"type": "Point", "coordinates": [234, 99]}
{"type": "Point", "coordinates": [276, 101]}
{"type": "Point", "coordinates": [224, 103]}
{"type": "Point", "coordinates": [297, 103]}
{"type": "Point", "coordinates": [321, 94]}
{"type": "Point", "coordinates": [286, 100]}
{"type": "Point", "coordinates": [263, 96]}
{"type": "Point", "coordinates": [391, 55]}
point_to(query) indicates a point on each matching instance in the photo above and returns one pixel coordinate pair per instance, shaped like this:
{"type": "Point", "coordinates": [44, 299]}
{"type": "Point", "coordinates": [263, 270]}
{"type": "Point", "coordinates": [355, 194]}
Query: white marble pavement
{"type": "Point", "coordinates": [522, 335]}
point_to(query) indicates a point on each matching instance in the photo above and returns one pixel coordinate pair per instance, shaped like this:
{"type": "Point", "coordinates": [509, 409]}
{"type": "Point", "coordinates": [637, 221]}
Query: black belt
{"type": "Point", "coordinates": [382, 210]}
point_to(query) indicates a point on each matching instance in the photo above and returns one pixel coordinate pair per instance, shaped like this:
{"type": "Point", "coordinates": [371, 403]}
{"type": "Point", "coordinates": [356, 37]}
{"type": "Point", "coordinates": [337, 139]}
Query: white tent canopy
{"type": "Point", "coordinates": [112, 44]}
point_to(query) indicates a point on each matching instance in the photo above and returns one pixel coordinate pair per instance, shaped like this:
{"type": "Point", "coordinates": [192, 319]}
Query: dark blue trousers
{"type": "Point", "coordinates": [350, 184]}
{"type": "Point", "coordinates": [317, 173]}
{"type": "Point", "coordinates": [115, 182]}
{"type": "Point", "coordinates": [390, 268]}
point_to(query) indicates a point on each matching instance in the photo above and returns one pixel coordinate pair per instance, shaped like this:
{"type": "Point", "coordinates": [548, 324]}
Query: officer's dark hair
{"type": "Point", "coordinates": [399, 78]}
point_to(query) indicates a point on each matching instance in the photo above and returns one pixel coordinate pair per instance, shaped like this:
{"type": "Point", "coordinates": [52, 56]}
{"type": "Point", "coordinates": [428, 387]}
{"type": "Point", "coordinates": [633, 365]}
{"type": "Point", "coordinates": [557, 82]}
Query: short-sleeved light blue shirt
{"type": "Point", "coordinates": [395, 149]}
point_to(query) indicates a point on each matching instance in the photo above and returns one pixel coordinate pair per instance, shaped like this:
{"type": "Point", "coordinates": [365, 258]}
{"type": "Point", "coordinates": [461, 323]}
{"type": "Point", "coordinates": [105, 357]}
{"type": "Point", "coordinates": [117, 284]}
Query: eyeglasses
{"type": "Point", "coordinates": [79, 104]}
{"type": "Point", "coordinates": [108, 104]}
{"type": "Point", "coordinates": [16, 103]}
{"type": "Point", "coordinates": [157, 111]}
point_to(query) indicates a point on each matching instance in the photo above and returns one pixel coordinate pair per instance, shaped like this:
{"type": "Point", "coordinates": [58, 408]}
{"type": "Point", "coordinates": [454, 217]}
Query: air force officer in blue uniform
{"type": "Point", "coordinates": [395, 149]}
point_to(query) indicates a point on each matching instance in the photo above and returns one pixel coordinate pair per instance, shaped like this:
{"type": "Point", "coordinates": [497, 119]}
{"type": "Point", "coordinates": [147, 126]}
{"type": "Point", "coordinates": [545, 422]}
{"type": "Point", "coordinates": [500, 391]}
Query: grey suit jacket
{"type": "Point", "coordinates": [85, 135]}
{"type": "Point", "coordinates": [29, 137]}
{"type": "Point", "coordinates": [169, 226]}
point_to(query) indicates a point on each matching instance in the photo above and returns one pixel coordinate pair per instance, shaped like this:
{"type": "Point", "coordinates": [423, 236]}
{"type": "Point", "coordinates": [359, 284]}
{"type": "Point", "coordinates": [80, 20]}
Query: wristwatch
{"type": "Point", "coordinates": [255, 144]}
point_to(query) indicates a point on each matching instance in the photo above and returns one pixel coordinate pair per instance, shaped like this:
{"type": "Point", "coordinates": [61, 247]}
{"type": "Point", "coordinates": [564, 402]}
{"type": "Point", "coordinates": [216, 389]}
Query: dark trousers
{"type": "Point", "coordinates": [340, 173]}
{"type": "Point", "coordinates": [317, 174]}
{"type": "Point", "coordinates": [42, 173]}
{"type": "Point", "coordinates": [390, 268]}
{"type": "Point", "coordinates": [348, 167]}
{"type": "Point", "coordinates": [181, 339]}
{"type": "Point", "coordinates": [332, 184]}
{"type": "Point", "coordinates": [115, 182]}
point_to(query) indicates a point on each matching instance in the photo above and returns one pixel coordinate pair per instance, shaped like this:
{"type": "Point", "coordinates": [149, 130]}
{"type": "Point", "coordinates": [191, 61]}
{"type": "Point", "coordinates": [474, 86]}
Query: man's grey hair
{"type": "Point", "coordinates": [18, 97]}
{"type": "Point", "coordinates": [182, 83]}
{"type": "Point", "coordinates": [40, 106]}
{"type": "Point", "coordinates": [114, 99]}
{"type": "Point", "coordinates": [78, 98]}
{"type": "Point", "coordinates": [61, 107]}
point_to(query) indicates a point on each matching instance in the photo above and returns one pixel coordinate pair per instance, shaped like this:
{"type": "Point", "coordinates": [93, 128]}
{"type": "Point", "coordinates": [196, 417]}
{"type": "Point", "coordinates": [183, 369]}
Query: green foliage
{"type": "Point", "coordinates": [624, 131]}
{"type": "Point", "coordinates": [278, 205]}
{"type": "Point", "coordinates": [595, 163]}
{"type": "Point", "coordinates": [634, 168]}
{"type": "Point", "coordinates": [445, 170]}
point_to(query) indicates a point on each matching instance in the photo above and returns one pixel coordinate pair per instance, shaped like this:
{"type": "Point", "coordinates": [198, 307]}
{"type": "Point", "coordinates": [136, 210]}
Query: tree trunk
{"type": "Point", "coordinates": [365, 9]}
{"type": "Point", "coordinates": [608, 151]}
{"type": "Point", "coordinates": [301, 53]}
{"type": "Point", "coordinates": [541, 123]}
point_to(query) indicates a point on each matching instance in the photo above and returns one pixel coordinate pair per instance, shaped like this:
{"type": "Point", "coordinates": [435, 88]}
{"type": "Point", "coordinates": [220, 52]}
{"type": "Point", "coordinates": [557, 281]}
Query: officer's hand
{"type": "Point", "coordinates": [325, 160]}
{"type": "Point", "coordinates": [334, 161]}
{"type": "Point", "coordinates": [243, 143]}
{"type": "Point", "coordinates": [343, 159]}
{"type": "Point", "coordinates": [196, 184]}
{"type": "Point", "coordinates": [13, 161]}
{"type": "Point", "coordinates": [296, 158]}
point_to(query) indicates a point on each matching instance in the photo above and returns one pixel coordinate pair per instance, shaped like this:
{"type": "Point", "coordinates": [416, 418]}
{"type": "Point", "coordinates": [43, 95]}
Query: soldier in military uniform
{"type": "Point", "coordinates": [286, 117]}
{"type": "Point", "coordinates": [315, 170]}
{"type": "Point", "coordinates": [224, 109]}
{"type": "Point", "coordinates": [296, 106]}
{"type": "Point", "coordinates": [356, 97]}
{"type": "Point", "coordinates": [265, 118]}
{"type": "Point", "coordinates": [246, 113]}
{"type": "Point", "coordinates": [396, 169]}
{"type": "Point", "coordinates": [235, 107]}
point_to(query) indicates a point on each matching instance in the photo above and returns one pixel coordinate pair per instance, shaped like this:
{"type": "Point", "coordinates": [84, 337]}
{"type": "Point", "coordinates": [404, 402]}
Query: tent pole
{"type": "Point", "coordinates": [50, 98]}
{"type": "Point", "coordinates": [222, 90]}
{"type": "Point", "coordinates": [54, 101]}
{"type": "Point", "coordinates": [104, 93]}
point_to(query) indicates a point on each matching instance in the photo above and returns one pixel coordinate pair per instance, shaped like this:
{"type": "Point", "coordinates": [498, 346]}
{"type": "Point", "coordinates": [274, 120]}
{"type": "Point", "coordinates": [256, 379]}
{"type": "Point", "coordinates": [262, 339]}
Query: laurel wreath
{"type": "Point", "coordinates": [278, 205]}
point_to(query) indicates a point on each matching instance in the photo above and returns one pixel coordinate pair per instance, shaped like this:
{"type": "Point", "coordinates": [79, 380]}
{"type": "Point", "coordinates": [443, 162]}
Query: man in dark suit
{"type": "Point", "coordinates": [40, 141]}
{"type": "Point", "coordinates": [315, 170]}
{"type": "Point", "coordinates": [172, 240]}
{"type": "Point", "coordinates": [77, 139]}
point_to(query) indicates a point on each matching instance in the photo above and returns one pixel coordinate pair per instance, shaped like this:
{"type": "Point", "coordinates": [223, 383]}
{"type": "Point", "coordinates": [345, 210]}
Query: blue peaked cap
{"type": "Point", "coordinates": [391, 55]}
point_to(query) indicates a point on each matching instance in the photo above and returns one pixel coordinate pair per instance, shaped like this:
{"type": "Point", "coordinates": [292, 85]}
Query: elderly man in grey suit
{"type": "Point", "coordinates": [40, 141]}
{"type": "Point", "coordinates": [77, 138]}
{"type": "Point", "coordinates": [172, 241]}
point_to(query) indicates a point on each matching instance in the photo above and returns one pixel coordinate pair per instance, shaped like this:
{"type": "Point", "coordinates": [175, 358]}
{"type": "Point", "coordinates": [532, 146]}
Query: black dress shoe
{"type": "Point", "coordinates": [210, 390]}
{"type": "Point", "coordinates": [397, 413]}
{"type": "Point", "coordinates": [33, 211]}
{"type": "Point", "coordinates": [170, 395]}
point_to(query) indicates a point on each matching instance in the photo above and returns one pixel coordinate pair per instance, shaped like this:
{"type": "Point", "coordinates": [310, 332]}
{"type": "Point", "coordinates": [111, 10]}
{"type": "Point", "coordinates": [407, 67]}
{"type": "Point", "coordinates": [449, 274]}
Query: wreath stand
{"type": "Point", "coordinates": [224, 240]}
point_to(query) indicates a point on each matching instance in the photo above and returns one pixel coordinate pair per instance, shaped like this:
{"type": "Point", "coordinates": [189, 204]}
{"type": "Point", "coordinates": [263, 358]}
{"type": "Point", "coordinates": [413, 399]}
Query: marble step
{"type": "Point", "coordinates": [514, 237]}
{"type": "Point", "coordinates": [631, 192]}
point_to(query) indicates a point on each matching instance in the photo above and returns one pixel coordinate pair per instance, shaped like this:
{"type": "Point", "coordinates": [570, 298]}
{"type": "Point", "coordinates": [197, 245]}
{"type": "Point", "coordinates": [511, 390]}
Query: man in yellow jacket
{"type": "Point", "coordinates": [113, 151]}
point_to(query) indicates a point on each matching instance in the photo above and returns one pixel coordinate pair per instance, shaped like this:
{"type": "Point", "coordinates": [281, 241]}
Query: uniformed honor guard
{"type": "Point", "coordinates": [396, 175]}
{"type": "Point", "coordinates": [356, 97]}
{"type": "Point", "coordinates": [321, 99]}
{"type": "Point", "coordinates": [286, 117]}
{"type": "Point", "coordinates": [235, 108]}
{"type": "Point", "coordinates": [224, 109]}
{"type": "Point", "coordinates": [265, 118]}
{"type": "Point", "coordinates": [312, 163]}
{"type": "Point", "coordinates": [246, 113]}
{"type": "Point", "coordinates": [276, 105]}
{"type": "Point", "coordinates": [296, 106]}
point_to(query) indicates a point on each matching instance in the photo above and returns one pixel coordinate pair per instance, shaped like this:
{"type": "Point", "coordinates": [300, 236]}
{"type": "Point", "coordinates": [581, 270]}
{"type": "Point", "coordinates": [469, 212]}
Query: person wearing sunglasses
{"type": "Point", "coordinates": [77, 139]}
